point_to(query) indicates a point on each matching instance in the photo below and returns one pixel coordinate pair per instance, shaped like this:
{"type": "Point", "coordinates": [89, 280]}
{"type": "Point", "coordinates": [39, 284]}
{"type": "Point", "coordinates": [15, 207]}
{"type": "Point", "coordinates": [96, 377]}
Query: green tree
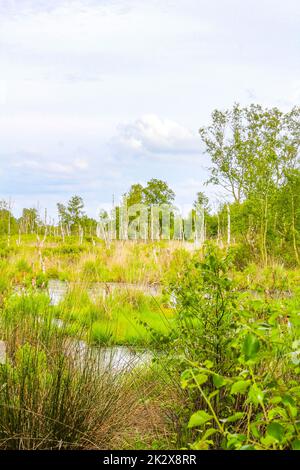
{"type": "Point", "coordinates": [8, 223]}
{"type": "Point", "coordinates": [63, 215]}
{"type": "Point", "coordinates": [135, 195]}
{"type": "Point", "coordinates": [286, 215]}
{"type": "Point", "coordinates": [30, 220]}
{"type": "Point", "coordinates": [103, 215]}
{"type": "Point", "coordinates": [158, 192]}
{"type": "Point", "coordinates": [72, 214]}
{"type": "Point", "coordinates": [201, 201]}
{"type": "Point", "coordinates": [251, 148]}
{"type": "Point", "coordinates": [225, 142]}
{"type": "Point", "coordinates": [75, 209]}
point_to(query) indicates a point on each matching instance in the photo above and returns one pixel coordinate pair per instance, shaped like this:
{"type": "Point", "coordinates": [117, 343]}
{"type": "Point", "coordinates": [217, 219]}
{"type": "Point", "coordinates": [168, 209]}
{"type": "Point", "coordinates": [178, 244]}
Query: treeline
{"type": "Point", "coordinates": [255, 159]}
{"type": "Point", "coordinates": [72, 219]}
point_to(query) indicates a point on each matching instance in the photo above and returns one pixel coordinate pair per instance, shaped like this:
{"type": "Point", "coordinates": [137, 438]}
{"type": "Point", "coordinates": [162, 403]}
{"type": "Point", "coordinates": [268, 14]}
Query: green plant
{"type": "Point", "coordinates": [262, 402]}
{"type": "Point", "coordinates": [53, 393]}
{"type": "Point", "coordinates": [250, 399]}
{"type": "Point", "coordinates": [206, 303]}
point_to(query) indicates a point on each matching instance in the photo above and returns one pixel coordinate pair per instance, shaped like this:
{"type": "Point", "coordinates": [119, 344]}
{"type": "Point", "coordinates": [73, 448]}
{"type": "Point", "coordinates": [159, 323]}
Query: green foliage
{"type": "Point", "coordinates": [8, 223]}
{"type": "Point", "coordinates": [30, 221]}
{"type": "Point", "coordinates": [135, 195]}
{"type": "Point", "coordinates": [205, 302]}
{"type": "Point", "coordinates": [254, 153]}
{"type": "Point", "coordinates": [23, 266]}
{"type": "Point", "coordinates": [225, 330]}
{"type": "Point", "coordinates": [250, 347]}
{"type": "Point", "coordinates": [248, 395]}
{"type": "Point", "coordinates": [155, 192]}
{"type": "Point", "coordinates": [52, 394]}
{"type": "Point", "coordinates": [120, 318]}
{"type": "Point", "coordinates": [5, 251]}
{"type": "Point", "coordinates": [158, 192]}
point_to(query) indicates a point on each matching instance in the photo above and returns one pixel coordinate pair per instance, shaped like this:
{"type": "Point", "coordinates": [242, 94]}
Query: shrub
{"type": "Point", "coordinates": [54, 394]}
{"type": "Point", "coordinates": [239, 362]}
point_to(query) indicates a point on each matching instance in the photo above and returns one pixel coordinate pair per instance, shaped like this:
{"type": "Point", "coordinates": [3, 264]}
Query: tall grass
{"type": "Point", "coordinates": [121, 262]}
{"type": "Point", "coordinates": [53, 396]}
{"type": "Point", "coordinates": [124, 317]}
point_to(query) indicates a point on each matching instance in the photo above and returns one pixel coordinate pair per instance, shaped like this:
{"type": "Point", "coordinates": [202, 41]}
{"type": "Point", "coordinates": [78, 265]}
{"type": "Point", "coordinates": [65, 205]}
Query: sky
{"type": "Point", "coordinates": [96, 95]}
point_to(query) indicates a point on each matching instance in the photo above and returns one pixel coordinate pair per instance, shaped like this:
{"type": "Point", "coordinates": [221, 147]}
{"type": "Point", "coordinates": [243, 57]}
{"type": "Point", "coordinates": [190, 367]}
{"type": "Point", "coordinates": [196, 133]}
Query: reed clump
{"type": "Point", "coordinates": [53, 394]}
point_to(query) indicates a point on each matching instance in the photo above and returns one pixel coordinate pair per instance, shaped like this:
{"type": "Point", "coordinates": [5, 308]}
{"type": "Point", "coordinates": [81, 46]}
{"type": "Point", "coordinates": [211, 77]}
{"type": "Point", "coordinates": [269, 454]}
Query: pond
{"type": "Point", "coordinates": [117, 359]}
{"type": "Point", "coordinates": [58, 289]}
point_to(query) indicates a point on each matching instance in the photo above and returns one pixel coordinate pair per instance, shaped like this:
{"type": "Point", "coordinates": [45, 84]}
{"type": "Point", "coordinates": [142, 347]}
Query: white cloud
{"type": "Point", "coordinates": [151, 134]}
{"type": "Point", "coordinates": [50, 168]}
{"type": "Point", "coordinates": [71, 70]}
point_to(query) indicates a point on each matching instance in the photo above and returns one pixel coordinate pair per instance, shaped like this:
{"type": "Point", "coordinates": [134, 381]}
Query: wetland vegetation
{"type": "Point", "coordinates": [111, 339]}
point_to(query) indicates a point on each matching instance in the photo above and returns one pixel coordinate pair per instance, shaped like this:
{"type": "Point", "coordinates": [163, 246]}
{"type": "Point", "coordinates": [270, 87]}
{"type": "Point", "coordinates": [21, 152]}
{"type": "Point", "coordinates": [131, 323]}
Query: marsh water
{"type": "Point", "coordinates": [117, 359]}
{"type": "Point", "coordinates": [58, 289]}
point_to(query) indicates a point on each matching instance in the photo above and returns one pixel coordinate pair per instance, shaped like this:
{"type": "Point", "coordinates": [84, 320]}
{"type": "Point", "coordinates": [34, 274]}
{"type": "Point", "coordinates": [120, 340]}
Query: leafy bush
{"type": "Point", "coordinates": [206, 301]}
{"type": "Point", "coordinates": [242, 255]}
{"type": "Point", "coordinates": [262, 394]}
{"type": "Point", "coordinates": [239, 361]}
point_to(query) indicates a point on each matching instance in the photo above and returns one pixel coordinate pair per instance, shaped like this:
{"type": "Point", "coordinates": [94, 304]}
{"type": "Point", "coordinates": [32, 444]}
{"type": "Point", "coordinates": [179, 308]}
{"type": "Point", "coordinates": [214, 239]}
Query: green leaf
{"type": "Point", "coordinates": [240, 387]}
{"type": "Point", "coordinates": [185, 378]}
{"type": "Point", "coordinates": [256, 395]}
{"type": "Point", "coordinates": [209, 432]}
{"type": "Point", "coordinates": [199, 418]}
{"type": "Point", "coordinates": [235, 417]}
{"type": "Point", "coordinates": [290, 404]}
{"type": "Point", "coordinates": [288, 400]}
{"type": "Point", "coordinates": [255, 430]}
{"type": "Point", "coordinates": [296, 445]}
{"type": "Point", "coordinates": [293, 410]}
{"type": "Point", "coordinates": [277, 412]}
{"type": "Point", "coordinates": [267, 441]}
{"type": "Point", "coordinates": [276, 431]}
{"type": "Point", "coordinates": [235, 440]}
{"type": "Point", "coordinates": [201, 445]}
{"type": "Point", "coordinates": [201, 379]}
{"type": "Point", "coordinates": [213, 394]}
{"type": "Point", "coordinates": [250, 347]}
{"type": "Point", "coordinates": [275, 400]}
{"type": "Point", "coordinates": [208, 364]}
{"type": "Point", "coordinates": [219, 381]}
